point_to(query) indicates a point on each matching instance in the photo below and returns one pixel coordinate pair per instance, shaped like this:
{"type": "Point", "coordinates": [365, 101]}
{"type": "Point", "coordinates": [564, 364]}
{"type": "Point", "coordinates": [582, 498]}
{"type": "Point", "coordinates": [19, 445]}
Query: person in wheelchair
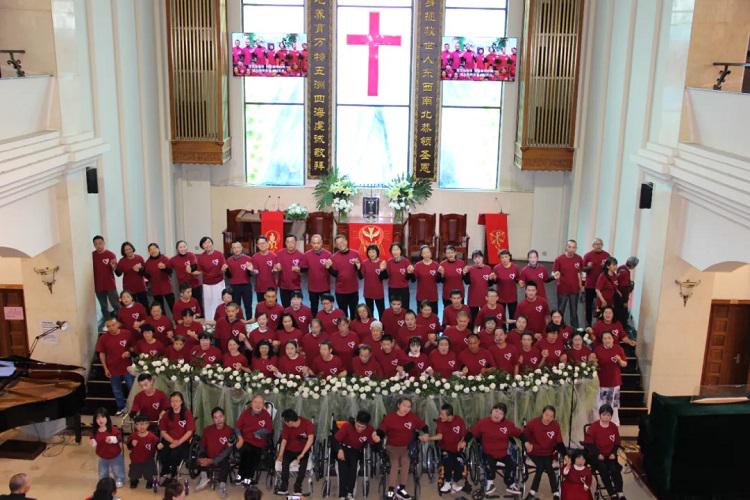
{"type": "Point", "coordinates": [494, 433]}
{"type": "Point", "coordinates": [297, 436]}
{"type": "Point", "coordinates": [601, 442]}
{"type": "Point", "coordinates": [450, 430]}
{"type": "Point", "coordinates": [348, 444]}
{"type": "Point", "coordinates": [255, 432]}
{"type": "Point", "coordinates": [542, 437]}
{"type": "Point", "coordinates": [216, 444]}
{"type": "Point", "coordinates": [177, 427]}
{"type": "Point", "coordinates": [400, 427]}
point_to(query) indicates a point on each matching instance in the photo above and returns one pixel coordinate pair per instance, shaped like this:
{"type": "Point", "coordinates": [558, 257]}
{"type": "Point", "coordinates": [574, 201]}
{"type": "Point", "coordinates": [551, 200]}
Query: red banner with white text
{"type": "Point", "coordinates": [272, 227]}
{"type": "Point", "coordinates": [495, 235]}
{"type": "Point", "coordinates": [362, 235]}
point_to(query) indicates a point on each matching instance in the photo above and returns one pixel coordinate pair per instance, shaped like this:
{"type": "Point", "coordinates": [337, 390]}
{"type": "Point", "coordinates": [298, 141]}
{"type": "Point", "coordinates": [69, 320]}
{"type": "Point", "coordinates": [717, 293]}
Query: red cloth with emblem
{"type": "Point", "coordinates": [152, 349]}
{"type": "Point", "coordinates": [495, 234]}
{"type": "Point", "coordinates": [289, 366]}
{"type": "Point", "coordinates": [180, 306]}
{"type": "Point", "coordinates": [371, 369]}
{"type": "Point", "coordinates": [610, 372]}
{"type": "Point", "coordinates": [330, 319]}
{"type": "Point", "coordinates": [392, 322]}
{"type": "Point", "coordinates": [132, 280]}
{"type": "Point", "coordinates": [362, 235]}
{"type": "Point", "coordinates": [554, 351]}
{"type": "Point", "coordinates": [318, 278]}
{"type": "Point", "coordinates": [347, 278]}
{"type": "Point", "coordinates": [104, 275]}
{"type": "Point", "coordinates": [453, 278]}
{"type": "Point", "coordinates": [273, 313]}
{"type": "Point", "coordinates": [161, 327]}
{"type": "Point", "coordinates": [431, 323]}
{"type": "Point", "coordinates": [344, 346]}
{"type": "Point", "coordinates": [127, 316]}
{"type": "Point", "coordinates": [506, 279]}
{"type": "Point", "coordinates": [404, 335]}
{"type": "Point", "coordinates": [104, 449]}
{"type": "Point", "coordinates": [390, 362]}
{"type": "Point", "coordinates": [211, 265]}
{"type": "Point", "coordinates": [475, 362]}
{"type": "Point", "coordinates": [578, 356]}
{"type": "Point", "coordinates": [239, 267]}
{"type": "Point", "coordinates": [210, 356]}
{"type": "Point", "coordinates": [397, 274]}
{"type": "Point", "coordinates": [599, 327]}
{"type": "Point", "coordinates": [330, 368]}
{"type": "Point", "coordinates": [543, 438]}
{"type": "Point", "coordinates": [576, 484]}
{"type": "Point", "coordinates": [190, 332]}
{"type": "Point", "coordinates": [302, 317]}
{"type": "Point", "coordinates": [255, 427]}
{"type": "Point", "coordinates": [272, 227]}
{"type": "Point", "coordinates": [176, 427]}
{"type": "Point", "coordinates": [498, 313]}
{"type": "Point", "coordinates": [595, 262]}
{"type": "Point", "coordinates": [226, 330]}
{"type": "Point", "coordinates": [311, 344]}
{"type": "Point", "coordinates": [479, 283]}
{"type": "Point", "coordinates": [569, 269]}
{"type": "Point", "coordinates": [453, 432]}
{"type": "Point", "coordinates": [229, 361]}
{"type": "Point", "coordinates": [373, 286]}
{"type": "Point", "coordinates": [288, 279]}
{"type": "Point", "coordinates": [361, 328]}
{"type": "Point", "coordinates": [296, 437]}
{"type": "Point", "coordinates": [160, 279]}
{"type": "Point", "coordinates": [450, 314]}
{"type": "Point", "coordinates": [529, 360]}
{"type": "Point", "coordinates": [457, 337]}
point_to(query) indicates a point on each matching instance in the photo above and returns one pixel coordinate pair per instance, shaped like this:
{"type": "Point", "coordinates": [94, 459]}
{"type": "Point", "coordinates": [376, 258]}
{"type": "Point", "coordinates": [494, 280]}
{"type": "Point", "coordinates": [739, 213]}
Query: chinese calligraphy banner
{"type": "Point", "coordinates": [478, 59]}
{"type": "Point", "coordinates": [320, 118]}
{"type": "Point", "coordinates": [269, 54]}
{"type": "Point", "coordinates": [427, 89]}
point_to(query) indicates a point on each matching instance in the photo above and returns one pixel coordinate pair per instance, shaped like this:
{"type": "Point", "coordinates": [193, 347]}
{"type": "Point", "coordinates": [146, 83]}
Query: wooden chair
{"type": "Point", "coordinates": [421, 232]}
{"type": "Point", "coordinates": [232, 232]}
{"type": "Point", "coordinates": [453, 232]}
{"type": "Point", "coordinates": [319, 223]}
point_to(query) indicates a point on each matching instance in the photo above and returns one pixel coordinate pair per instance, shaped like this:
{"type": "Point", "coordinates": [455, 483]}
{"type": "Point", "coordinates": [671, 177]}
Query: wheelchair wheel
{"type": "Point", "coordinates": [430, 463]}
{"type": "Point", "coordinates": [192, 461]}
{"type": "Point", "coordinates": [474, 462]}
{"type": "Point", "coordinates": [319, 460]}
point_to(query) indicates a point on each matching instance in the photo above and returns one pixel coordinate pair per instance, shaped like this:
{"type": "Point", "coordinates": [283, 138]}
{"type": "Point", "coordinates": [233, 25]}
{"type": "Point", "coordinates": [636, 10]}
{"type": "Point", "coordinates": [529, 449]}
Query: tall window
{"type": "Point", "coordinates": [274, 107]}
{"type": "Point", "coordinates": [373, 90]}
{"type": "Point", "coordinates": [470, 121]}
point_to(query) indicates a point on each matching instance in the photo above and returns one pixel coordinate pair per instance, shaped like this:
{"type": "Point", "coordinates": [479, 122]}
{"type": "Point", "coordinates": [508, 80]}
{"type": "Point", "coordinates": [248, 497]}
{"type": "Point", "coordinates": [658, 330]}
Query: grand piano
{"type": "Point", "coordinates": [39, 392]}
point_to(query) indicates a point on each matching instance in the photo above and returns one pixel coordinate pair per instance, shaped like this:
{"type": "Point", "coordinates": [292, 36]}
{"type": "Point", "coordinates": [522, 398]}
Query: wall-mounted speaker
{"type": "Point", "coordinates": [647, 192]}
{"type": "Point", "coordinates": [92, 182]}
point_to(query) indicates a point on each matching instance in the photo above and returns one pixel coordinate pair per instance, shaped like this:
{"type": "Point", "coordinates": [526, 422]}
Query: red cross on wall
{"type": "Point", "coordinates": [373, 40]}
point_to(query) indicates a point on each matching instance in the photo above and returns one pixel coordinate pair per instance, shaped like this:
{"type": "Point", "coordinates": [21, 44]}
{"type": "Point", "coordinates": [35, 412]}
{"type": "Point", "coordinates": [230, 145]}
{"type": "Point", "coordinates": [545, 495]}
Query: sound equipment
{"type": "Point", "coordinates": [647, 191]}
{"type": "Point", "coordinates": [92, 182]}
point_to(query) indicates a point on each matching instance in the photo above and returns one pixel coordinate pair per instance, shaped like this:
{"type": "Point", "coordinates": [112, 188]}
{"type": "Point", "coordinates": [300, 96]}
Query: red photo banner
{"type": "Point", "coordinates": [495, 235]}
{"type": "Point", "coordinates": [363, 235]}
{"type": "Point", "coordinates": [272, 227]}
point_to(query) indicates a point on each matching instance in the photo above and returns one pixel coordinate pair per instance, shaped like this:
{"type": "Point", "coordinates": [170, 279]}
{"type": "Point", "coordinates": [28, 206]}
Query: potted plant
{"type": "Point", "coordinates": [335, 192]}
{"type": "Point", "coordinates": [406, 192]}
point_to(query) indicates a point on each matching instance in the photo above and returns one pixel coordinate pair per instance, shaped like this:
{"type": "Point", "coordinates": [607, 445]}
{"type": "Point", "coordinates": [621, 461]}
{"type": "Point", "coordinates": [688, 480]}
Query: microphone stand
{"type": "Point", "coordinates": [41, 336]}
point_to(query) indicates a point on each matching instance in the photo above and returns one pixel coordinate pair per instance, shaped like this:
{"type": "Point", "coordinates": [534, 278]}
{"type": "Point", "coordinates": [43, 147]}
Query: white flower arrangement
{"type": "Point", "coordinates": [295, 211]}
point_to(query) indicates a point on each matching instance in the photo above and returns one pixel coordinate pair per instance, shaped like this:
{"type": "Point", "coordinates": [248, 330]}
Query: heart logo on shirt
{"type": "Point", "coordinates": [407, 425]}
{"type": "Point", "coordinates": [482, 361]}
{"type": "Point", "coordinates": [123, 343]}
{"type": "Point", "coordinates": [551, 434]}
{"type": "Point", "coordinates": [152, 352]}
{"type": "Point", "coordinates": [451, 363]}
{"type": "Point", "coordinates": [539, 308]}
{"type": "Point", "coordinates": [615, 332]}
{"type": "Point", "coordinates": [182, 423]}
{"type": "Point", "coordinates": [432, 326]}
{"type": "Point", "coordinates": [295, 262]}
{"type": "Point", "coordinates": [362, 439]}
{"type": "Point", "coordinates": [533, 360]}
{"type": "Point", "coordinates": [269, 263]}
{"type": "Point", "coordinates": [420, 365]}
{"type": "Point", "coordinates": [504, 430]}
{"type": "Point", "coordinates": [215, 262]}
{"type": "Point", "coordinates": [457, 429]}
{"type": "Point", "coordinates": [274, 317]}
{"type": "Point", "coordinates": [155, 406]}
{"type": "Point", "coordinates": [223, 440]}
{"type": "Point", "coordinates": [135, 315]}
{"type": "Point", "coordinates": [400, 322]}
{"type": "Point", "coordinates": [302, 319]}
{"type": "Point", "coordinates": [352, 261]}
{"type": "Point", "coordinates": [558, 352]}
{"type": "Point", "coordinates": [368, 373]}
{"type": "Point", "coordinates": [236, 333]}
{"type": "Point", "coordinates": [261, 423]}
{"type": "Point", "coordinates": [212, 359]}
{"type": "Point", "coordinates": [466, 340]}
{"type": "Point", "coordinates": [540, 276]}
{"type": "Point", "coordinates": [486, 277]}
{"type": "Point", "coordinates": [160, 329]}
{"type": "Point", "coordinates": [402, 271]}
{"type": "Point", "coordinates": [508, 355]}
{"type": "Point", "coordinates": [613, 359]}
{"type": "Point", "coordinates": [334, 370]}
{"type": "Point", "coordinates": [322, 262]}
{"type": "Point", "coordinates": [577, 265]}
{"type": "Point", "coordinates": [148, 446]}
{"type": "Point", "coordinates": [512, 276]}
{"type": "Point", "coordinates": [351, 345]}
{"type": "Point", "coordinates": [377, 271]}
{"type": "Point", "coordinates": [394, 362]}
{"type": "Point", "coordinates": [105, 261]}
{"type": "Point", "coordinates": [299, 368]}
{"type": "Point", "coordinates": [432, 272]}
{"type": "Point", "coordinates": [612, 437]}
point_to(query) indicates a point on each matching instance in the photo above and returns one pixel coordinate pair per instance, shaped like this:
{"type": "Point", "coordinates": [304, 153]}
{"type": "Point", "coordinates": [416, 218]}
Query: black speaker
{"type": "Point", "coordinates": [92, 183]}
{"type": "Point", "coordinates": [647, 191]}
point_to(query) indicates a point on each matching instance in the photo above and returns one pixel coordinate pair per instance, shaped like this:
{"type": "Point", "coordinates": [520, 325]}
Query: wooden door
{"type": "Point", "coordinates": [13, 334]}
{"type": "Point", "coordinates": [727, 357]}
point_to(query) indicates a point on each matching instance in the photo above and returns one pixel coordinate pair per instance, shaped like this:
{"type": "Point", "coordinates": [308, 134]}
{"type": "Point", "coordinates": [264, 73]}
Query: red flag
{"type": "Point", "coordinates": [496, 235]}
{"type": "Point", "coordinates": [363, 235]}
{"type": "Point", "coordinates": [272, 227]}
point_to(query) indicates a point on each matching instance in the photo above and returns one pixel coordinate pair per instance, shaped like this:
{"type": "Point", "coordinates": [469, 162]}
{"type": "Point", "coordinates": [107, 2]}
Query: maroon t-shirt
{"type": "Point", "coordinates": [318, 279]}
{"type": "Point", "coordinates": [431, 324]}
{"type": "Point", "coordinates": [160, 279]}
{"type": "Point", "coordinates": [599, 327]}
{"type": "Point", "coordinates": [104, 275]}
{"type": "Point", "coordinates": [530, 360]}
{"type": "Point", "coordinates": [393, 322]}
{"type": "Point", "coordinates": [153, 349]}
{"type": "Point", "coordinates": [373, 286]}
{"type": "Point", "coordinates": [107, 450]}
{"type": "Point", "coordinates": [259, 335]}
{"type": "Point", "coordinates": [444, 365]}
{"type": "Point", "coordinates": [273, 313]}
{"type": "Point", "coordinates": [577, 356]}
{"type": "Point", "coordinates": [506, 279]}
{"type": "Point", "coordinates": [427, 276]}
{"type": "Point", "coordinates": [262, 364]}
{"type": "Point", "coordinates": [330, 368]}
{"type": "Point", "coordinates": [288, 279]}
{"type": "Point", "coordinates": [605, 439]}
{"type": "Point", "coordinates": [210, 356]}
{"type": "Point", "coordinates": [144, 448]}
{"type": "Point", "coordinates": [543, 438]}
{"type": "Point", "coordinates": [539, 275]}
{"type": "Point", "coordinates": [343, 347]}
{"type": "Point", "coordinates": [347, 280]}
{"type": "Point", "coordinates": [221, 312]}
{"type": "Point", "coordinates": [162, 327]}
{"type": "Point", "coordinates": [284, 336]}
{"type": "Point", "coordinates": [476, 362]}
{"type": "Point", "coordinates": [296, 437]}
{"type": "Point", "coordinates": [130, 314]}
{"type": "Point", "coordinates": [113, 346]}
{"type": "Point", "coordinates": [397, 274]}
{"type": "Point", "coordinates": [495, 435]}
{"type": "Point", "coordinates": [290, 366]}
{"type": "Point", "coordinates": [400, 429]}
{"type": "Point", "coordinates": [371, 369]}
{"type": "Point", "coordinates": [554, 351]}
{"type": "Point", "coordinates": [239, 267]}
{"type": "Point", "coordinates": [479, 283]}
{"type": "Point", "coordinates": [453, 432]}
{"type": "Point", "coordinates": [175, 426]}
{"type": "Point", "coordinates": [215, 440]}
{"type": "Point", "coordinates": [150, 406]}
{"type": "Point", "coordinates": [330, 319]}
{"type": "Point", "coordinates": [173, 354]}
{"type": "Point", "coordinates": [597, 260]}
{"type": "Point", "coordinates": [453, 279]}
{"type": "Point", "coordinates": [568, 267]}
{"type": "Point", "coordinates": [211, 265]}
{"type": "Point", "coordinates": [180, 306]}
{"type": "Point", "coordinates": [610, 372]}
{"type": "Point", "coordinates": [390, 362]}
{"type": "Point", "coordinates": [265, 278]}
{"type": "Point", "coordinates": [450, 314]}
{"type": "Point", "coordinates": [361, 328]}
{"type": "Point", "coordinates": [249, 424]}
{"type": "Point", "coordinates": [191, 333]}
{"type": "Point", "coordinates": [457, 337]}
{"type": "Point", "coordinates": [535, 313]}
{"type": "Point", "coordinates": [226, 330]}
{"type": "Point", "coordinates": [229, 361]}
{"type": "Point", "coordinates": [404, 335]}
{"type": "Point", "coordinates": [418, 364]}
{"type": "Point", "coordinates": [302, 316]}
{"type": "Point", "coordinates": [498, 313]}
{"type": "Point", "coordinates": [311, 344]}
{"type": "Point", "coordinates": [350, 437]}
{"type": "Point", "coordinates": [505, 358]}
{"type": "Point", "coordinates": [132, 281]}
{"type": "Point", "coordinates": [608, 286]}
{"type": "Point", "coordinates": [183, 266]}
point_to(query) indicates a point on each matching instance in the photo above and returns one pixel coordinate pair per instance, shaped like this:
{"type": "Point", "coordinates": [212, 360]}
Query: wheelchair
{"type": "Point", "coordinates": [598, 489]}
{"type": "Point", "coordinates": [325, 462]}
{"type": "Point", "coordinates": [309, 472]}
{"type": "Point", "coordinates": [478, 472]}
{"type": "Point", "coordinates": [441, 473]}
{"type": "Point", "coordinates": [194, 469]}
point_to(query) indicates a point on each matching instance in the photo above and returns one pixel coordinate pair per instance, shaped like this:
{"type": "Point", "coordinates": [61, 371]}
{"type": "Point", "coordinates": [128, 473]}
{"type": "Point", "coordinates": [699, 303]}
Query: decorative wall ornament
{"type": "Point", "coordinates": [48, 275]}
{"type": "Point", "coordinates": [686, 289]}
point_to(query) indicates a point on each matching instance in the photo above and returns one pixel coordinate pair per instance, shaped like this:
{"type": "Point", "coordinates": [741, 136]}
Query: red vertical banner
{"type": "Point", "coordinates": [272, 227]}
{"type": "Point", "coordinates": [496, 235]}
{"type": "Point", "coordinates": [363, 235]}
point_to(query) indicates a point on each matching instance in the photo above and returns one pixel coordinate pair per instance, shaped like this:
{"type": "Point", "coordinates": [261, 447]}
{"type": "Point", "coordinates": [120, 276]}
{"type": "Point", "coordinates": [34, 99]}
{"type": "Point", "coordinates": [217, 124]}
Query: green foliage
{"type": "Point", "coordinates": [322, 191]}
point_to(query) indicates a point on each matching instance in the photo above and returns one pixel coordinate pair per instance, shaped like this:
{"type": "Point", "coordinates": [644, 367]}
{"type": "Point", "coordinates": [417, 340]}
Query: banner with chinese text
{"type": "Point", "coordinates": [320, 116]}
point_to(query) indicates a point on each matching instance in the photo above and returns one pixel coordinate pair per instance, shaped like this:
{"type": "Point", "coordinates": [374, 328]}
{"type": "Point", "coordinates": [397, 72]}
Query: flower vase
{"type": "Point", "coordinates": [343, 216]}
{"type": "Point", "coordinates": [398, 216]}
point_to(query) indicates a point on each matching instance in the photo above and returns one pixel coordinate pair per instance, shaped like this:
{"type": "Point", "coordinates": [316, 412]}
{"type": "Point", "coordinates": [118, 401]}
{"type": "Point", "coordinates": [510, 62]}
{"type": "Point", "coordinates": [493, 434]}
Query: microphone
{"type": "Point", "coordinates": [278, 203]}
{"type": "Point", "coordinates": [265, 205]}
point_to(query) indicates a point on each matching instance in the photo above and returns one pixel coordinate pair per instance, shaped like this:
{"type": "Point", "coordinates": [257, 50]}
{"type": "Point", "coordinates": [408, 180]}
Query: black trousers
{"type": "Point", "coordinates": [166, 302]}
{"type": "Point", "coordinates": [220, 465]}
{"type": "Point", "coordinates": [315, 301]}
{"type": "Point", "coordinates": [610, 472]}
{"type": "Point", "coordinates": [378, 304]}
{"type": "Point", "coordinates": [142, 297]}
{"type": "Point", "coordinates": [242, 295]}
{"type": "Point", "coordinates": [170, 458]}
{"type": "Point", "coordinates": [453, 463]}
{"type": "Point", "coordinates": [511, 310]}
{"type": "Point", "coordinates": [403, 294]}
{"type": "Point", "coordinates": [474, 311]}
{"type": "Point", "coordinates": [249, 460]}
{"type": "Point", "coordinates": [509, 471]}
{"type": "Point", "coordinates": [260, 296]}
{"type": "Point", "coordinates": [145, 470]}
{"type": "Point", "coordinates": [348, 470]}
{"type": "Point", "coordinates": [286, 460]}
{"type": "Point", "coordinates": [198, 295]}
{"type": "Point", "coordinates": [590, 298]}
{"type": "Point", "coordinates": [286, 297]}
{"type": "Point", "coordinates": [543, 464]}
{"type": "Point", "coordinates": [348, 302]}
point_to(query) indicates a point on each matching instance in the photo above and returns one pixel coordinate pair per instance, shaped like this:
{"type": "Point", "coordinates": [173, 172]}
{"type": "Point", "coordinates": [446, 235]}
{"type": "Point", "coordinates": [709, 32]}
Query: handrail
{"type": "Point", "coordinates": [723, 73]}
{"type": "Point", "coordinates": [16, 63]}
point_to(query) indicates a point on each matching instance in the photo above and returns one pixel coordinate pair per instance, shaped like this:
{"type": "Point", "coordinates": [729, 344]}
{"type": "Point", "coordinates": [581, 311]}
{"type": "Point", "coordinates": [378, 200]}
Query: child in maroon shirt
{"type": "Point", "coordinates": [142, 445]}
{"type": "Point", "coordinates": [106, 439]}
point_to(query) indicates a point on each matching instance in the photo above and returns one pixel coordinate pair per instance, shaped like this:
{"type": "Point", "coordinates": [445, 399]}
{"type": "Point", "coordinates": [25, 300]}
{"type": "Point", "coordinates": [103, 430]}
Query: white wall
{"type": "Point", "coordinates": [27, 25]}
